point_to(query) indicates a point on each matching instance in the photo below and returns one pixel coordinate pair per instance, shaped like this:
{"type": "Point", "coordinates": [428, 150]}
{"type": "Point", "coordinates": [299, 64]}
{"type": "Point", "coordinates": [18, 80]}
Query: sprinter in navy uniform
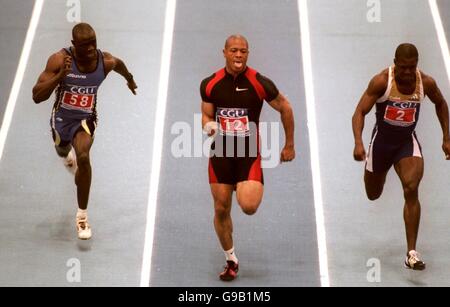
{"type": "Point", "coordinates": [398, 93]}
{"type": "Point", "coordinates": [232, 99]}
{"type": "Point", "coordinates": [75, 74]}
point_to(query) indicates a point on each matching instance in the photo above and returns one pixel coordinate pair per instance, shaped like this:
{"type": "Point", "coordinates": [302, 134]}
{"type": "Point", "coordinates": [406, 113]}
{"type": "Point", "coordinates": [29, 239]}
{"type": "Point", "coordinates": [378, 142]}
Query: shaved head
{"type": "Point", "coordinates": [406, 51]}
{"type": "Point", "coordinates": [235, 37]}
{"type": "Point", "coordinates": [236, 54]}
{"type": "Point", "coordinates": [82, 29]}
{"type": "Point", "coordinates": [406, 60]}
{"type": "Point", "coordinates": [84, 42]}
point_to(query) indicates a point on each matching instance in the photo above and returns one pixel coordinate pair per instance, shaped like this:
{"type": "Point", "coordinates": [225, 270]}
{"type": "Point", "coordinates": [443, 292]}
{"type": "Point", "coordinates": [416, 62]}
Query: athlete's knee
{"type": "Point", "coordinates": [249, 207]}
{"type": "Point", "coordinates": [411, 188]}
{"type": "Point", "coordinates": [83, 160]}
{"type": "Point", "coordinates": [373, 196]}
{"type": "Point", "coordinates": [374, 189]}
{"type": "Point", "coordinates": [250, 210]}
{"type": "Point", "coordinates": [222, 210]}
{"type": "Point", "coordinates": [63, 151]}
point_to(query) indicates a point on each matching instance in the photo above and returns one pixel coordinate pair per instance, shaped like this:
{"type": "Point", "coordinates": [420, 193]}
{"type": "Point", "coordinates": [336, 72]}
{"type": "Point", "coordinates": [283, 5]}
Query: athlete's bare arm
{"type": "Point", "coordinates": [117, 65]}
{"type": "Point", "coordinates": [208, 117]}
{"type": "Point", "coordinates": [377, 87]}
{"type": "Point", "coordinates": [434, 93]}
{"type": "Point", "coordinates": [58, 66]}
{"type": "Point", "coordinates": [282, 105]}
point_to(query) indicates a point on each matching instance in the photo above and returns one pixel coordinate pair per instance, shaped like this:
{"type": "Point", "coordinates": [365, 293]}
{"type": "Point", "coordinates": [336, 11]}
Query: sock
{"type": "Point", "coordinates": [231, 255]}
{"type": "Point", "coordinates": [81, 213]}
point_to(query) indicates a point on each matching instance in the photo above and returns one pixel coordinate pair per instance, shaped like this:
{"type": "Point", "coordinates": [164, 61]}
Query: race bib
{"type": "Point", "coordinates": [78, 101]}
{"type": "Point", "coordinates": [399, 116]}
{"type": "Point", "coordinates": [233, 122]}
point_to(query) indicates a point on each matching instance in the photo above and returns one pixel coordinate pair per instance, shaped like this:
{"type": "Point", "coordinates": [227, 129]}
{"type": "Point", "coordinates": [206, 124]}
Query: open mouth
{"type": "Point", "coordinates": [238, 64]}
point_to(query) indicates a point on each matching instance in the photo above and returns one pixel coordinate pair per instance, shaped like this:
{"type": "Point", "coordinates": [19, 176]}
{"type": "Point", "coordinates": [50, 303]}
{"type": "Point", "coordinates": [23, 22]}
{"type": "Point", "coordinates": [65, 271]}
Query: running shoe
{"type": "Point", "coordinates": [230, 271]}
{"type": "Point", "coordinates": [413, 261]}
{"type": "Point", "coordinates": [83, 228]}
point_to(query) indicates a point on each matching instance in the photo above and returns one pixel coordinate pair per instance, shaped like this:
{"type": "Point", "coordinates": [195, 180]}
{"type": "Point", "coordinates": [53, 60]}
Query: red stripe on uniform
{"type": "Point", "coordinates": [251, 76]}
{"type": "Point", "coordinates": [212, 174]}
{"type": "Point", "coordinates": [219, 75]}
{"type": "Point", "coordinates": [256, 171]}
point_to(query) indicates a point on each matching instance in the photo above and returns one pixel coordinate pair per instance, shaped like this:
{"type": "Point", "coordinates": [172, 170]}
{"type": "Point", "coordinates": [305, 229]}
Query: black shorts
{"type": "Point", "coordinates": [385, 151]}
{"type": "Point", "coordinates": [233, 170]}
{"type": "Point", "coordinates": [64, 129]}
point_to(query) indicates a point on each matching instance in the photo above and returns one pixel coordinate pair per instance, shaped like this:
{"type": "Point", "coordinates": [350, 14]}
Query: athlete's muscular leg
{"type": "Point", "coordinates": [82, 143]}
{"type": "Point", "coordinates": [223, 224]}
{"type": "Point", "coordinates": [249, 195]}
{"type": "Point", "coordinates": [410, 171]}
{"type": "Point", "coordinates": [374, 183]}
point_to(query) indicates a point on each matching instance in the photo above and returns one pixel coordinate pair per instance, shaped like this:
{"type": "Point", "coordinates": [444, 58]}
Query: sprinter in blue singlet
{"type": "Point", "coordinates": [75, 74]}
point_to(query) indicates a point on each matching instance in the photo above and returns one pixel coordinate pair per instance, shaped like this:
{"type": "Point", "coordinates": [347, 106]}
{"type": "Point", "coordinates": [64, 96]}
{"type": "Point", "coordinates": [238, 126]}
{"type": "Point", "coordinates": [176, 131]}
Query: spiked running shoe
{"type": "Point", "coordinates": [413, 261]}
{"type": "Point", "coordinates": [83, 228]}
{"type": "Point", "coordinates": [230, 271]}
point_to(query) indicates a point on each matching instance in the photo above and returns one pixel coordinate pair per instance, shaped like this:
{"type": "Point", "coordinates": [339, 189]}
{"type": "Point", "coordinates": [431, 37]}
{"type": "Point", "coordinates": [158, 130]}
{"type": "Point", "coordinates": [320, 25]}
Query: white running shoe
{"type": "Point", "coordinates": [83, 228]}
{"type": "Point", "coordinates": [414, 262]}
{"type": "Point", "coordinates": [70, 162]}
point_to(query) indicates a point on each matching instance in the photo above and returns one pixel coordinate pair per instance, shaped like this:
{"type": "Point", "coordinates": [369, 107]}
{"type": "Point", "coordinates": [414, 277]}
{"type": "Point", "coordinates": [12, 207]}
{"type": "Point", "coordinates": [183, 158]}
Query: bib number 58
{"type": "Point", "coordinates": [83, 100]}
{"type": "Point", "coordinates": [78, 101]}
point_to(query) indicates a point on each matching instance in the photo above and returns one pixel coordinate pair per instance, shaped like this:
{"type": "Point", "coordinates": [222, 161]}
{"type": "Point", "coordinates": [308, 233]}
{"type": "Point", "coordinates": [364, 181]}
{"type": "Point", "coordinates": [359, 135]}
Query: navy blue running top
{"type": "Point", "coordinates": [76, 95]}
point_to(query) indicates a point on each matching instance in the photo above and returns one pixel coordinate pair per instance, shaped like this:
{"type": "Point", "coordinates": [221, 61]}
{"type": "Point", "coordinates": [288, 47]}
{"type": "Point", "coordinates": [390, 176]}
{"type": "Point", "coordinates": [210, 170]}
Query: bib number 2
{"type": "Point", "coordinates": [400, 117]}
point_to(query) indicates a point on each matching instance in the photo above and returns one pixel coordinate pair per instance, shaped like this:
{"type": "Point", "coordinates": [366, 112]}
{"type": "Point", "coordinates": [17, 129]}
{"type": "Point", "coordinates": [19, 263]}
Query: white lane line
{"type": "Point", "coordinates": [313, 141]}
{"type": "Point", "coordinates": [158, 141]}
{"type": "Point", "coordinates": [441, 35]}
{"type": "Point", "coordinates": [11, 104]}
